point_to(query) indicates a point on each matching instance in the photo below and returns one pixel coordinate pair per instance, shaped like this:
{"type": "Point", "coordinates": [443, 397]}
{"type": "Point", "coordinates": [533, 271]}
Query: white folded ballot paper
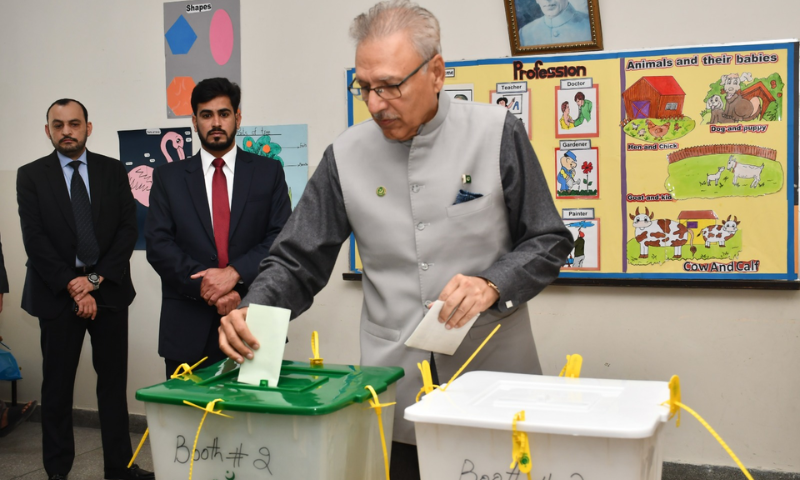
{"type": "Point", "coordinates": [433, 336]}
{"type": "Point", "coordinates": [269, 325]}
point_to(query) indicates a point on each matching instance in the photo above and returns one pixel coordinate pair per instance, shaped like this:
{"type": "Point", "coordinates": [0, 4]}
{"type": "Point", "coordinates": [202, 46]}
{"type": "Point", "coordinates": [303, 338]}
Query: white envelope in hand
{"type": "Point", "coordinates": [269, 325]}
{"type": "Point", "coordinates": [433, 336]}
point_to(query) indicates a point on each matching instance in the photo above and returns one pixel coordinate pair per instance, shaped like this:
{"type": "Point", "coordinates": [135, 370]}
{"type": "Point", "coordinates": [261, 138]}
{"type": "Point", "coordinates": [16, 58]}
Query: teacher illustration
{"type": "Point", "coordinates": [560, 22]}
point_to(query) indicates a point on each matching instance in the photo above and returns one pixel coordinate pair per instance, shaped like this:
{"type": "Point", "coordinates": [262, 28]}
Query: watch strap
{"type": "Point", "coordinates": [493, 286]}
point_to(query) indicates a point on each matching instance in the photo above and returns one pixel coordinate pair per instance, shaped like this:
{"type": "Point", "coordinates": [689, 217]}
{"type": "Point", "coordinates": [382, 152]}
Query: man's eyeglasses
{"type": "Point", "coordinates": [386, 92]}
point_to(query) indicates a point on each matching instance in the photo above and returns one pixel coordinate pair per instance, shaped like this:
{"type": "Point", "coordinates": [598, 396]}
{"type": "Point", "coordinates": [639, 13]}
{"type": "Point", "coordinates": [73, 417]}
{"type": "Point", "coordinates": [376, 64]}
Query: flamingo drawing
{"type": "Point", "coordinates": [141, 177]}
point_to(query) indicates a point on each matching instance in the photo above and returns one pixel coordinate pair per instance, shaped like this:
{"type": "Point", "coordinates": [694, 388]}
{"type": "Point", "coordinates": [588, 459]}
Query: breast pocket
{"type": "Point", "coordinates": [472, 206]}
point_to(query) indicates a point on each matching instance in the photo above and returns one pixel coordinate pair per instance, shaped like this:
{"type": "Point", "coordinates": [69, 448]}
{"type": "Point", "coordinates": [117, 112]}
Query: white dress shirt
{"type": "Point", "coordinates": [208, 174]}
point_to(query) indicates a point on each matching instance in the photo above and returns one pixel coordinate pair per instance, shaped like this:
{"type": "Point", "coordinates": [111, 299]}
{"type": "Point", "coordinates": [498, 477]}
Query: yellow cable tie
{"type": "Point", "coordinates": [427, 379]}
{"type": "Point", "coordinates": [572, 369]}
{"type": "Point", "coordinates": [375, 404]}
{"type": "Point", "coordinates": [316, 361]}
{"type": "Point", "coordinates": [136, 453]}
{"type": "Point", "coordinates": [187, 370]}
{"type": "Point", "coordinates": [470, 358]}
{"type": "Point", "coordinates": [209, 408]}
{"type": "Point", "coordinates": [675, 398]}
{"type": "Point", "coordinates": [675, 406]}
{"type": "Point", "coordinates": [520, 448]}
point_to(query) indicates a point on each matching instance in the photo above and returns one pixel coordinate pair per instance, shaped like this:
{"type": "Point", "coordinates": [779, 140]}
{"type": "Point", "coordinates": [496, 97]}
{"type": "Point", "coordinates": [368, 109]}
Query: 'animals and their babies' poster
{"type": "Point", "coordinates": [687, 157]}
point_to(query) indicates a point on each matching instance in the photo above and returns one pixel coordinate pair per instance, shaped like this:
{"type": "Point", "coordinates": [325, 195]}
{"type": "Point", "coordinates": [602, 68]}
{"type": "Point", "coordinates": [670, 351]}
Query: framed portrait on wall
{"type": "Point", "coordinates": [553, 26]}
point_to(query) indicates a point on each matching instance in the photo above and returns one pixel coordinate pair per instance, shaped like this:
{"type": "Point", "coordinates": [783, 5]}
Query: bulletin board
{"type": "Point", "coordinates": [673, 165]}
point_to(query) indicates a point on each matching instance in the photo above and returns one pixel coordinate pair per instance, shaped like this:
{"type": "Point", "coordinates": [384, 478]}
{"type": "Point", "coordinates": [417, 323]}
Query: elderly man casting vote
{"type": "Point", "coordinates": [447, 201]}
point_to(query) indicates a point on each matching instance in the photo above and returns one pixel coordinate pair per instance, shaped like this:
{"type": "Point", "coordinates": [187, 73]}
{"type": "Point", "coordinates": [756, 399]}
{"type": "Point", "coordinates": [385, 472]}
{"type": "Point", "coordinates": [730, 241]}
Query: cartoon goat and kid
{"type": "Point", "coordinates": [740, 170]}
{"type": "Point", "coordinates": [669, 233]}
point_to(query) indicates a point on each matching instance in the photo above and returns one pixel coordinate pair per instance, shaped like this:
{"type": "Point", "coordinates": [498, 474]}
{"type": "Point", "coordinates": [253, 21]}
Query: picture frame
{"type": "Point", "coordinates": [553, 26]}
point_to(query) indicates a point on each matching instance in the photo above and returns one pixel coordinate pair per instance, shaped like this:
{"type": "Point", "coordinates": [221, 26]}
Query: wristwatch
{"type": "Point", "coordinates": [94, 279]}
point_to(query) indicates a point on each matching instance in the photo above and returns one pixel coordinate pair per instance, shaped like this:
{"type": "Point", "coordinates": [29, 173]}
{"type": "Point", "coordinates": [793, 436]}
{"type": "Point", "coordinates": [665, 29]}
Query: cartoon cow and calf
{"type": "Point", "coordinates": [650, 232]}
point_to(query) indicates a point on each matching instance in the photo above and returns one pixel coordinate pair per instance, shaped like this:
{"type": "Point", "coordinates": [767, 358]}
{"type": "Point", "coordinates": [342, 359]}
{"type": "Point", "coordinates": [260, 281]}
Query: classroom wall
{"type": "Point", "coordinates": [735, 350]}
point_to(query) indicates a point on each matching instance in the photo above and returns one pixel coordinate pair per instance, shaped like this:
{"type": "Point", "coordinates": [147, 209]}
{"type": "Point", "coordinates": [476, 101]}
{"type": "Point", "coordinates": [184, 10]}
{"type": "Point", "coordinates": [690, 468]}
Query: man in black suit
{"type": "Point", "coordinates": [78, 222]}
{"type": "Point", "coordinates": [207, 244]}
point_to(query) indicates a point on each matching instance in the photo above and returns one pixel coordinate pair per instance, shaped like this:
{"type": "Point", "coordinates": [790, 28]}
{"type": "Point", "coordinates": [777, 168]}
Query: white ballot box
{"type": "Point", "coordinates": [316, 424]}
{"type": "Point", "coordinates": [578, 428]}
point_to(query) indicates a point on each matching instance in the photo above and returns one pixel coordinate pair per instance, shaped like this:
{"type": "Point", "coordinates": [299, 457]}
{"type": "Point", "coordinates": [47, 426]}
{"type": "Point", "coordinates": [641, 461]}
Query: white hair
{"type": "Point", "coordinates": [389, 17]}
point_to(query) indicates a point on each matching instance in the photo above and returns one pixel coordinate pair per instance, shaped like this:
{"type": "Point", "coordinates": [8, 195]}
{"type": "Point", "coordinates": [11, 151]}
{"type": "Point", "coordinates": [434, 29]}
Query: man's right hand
{"type": "Point", "coordinates": [234, 336]}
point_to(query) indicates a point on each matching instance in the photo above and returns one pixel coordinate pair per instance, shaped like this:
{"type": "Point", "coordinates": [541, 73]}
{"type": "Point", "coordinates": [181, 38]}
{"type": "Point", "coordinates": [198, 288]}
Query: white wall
{"type": "Point", "coordinates": [736, 351]}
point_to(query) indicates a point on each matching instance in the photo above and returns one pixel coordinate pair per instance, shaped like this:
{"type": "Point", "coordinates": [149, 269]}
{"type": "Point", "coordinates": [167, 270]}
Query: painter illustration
{"type": "Point", "coordinates": [736, 98]}
{"type": "Point", "coordinates": [577, 173]}
{"type": "Point", "coordinates": [141, 151]}
{"type": "Point", "coordinates": [585, 254]}
{"type": "Point", "coordinates": [696, 235]}
{"type": "Point", "coordinates": [654, 110]}
{"type": "Point", "coordinates": [714, 171]}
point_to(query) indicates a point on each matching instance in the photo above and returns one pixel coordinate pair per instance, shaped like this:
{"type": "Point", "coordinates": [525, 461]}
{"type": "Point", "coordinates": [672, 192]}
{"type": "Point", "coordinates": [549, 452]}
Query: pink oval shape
{"type": "Point", "coordinates": [220, 36]}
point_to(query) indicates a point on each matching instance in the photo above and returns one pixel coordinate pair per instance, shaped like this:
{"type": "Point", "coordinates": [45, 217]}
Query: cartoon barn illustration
{"type": "Point", "coordinates": [697, 220]}
{"type": "Point", "coordinates": [654, 97]}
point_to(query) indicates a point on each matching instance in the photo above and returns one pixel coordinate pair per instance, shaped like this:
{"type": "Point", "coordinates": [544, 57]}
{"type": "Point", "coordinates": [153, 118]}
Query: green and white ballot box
{"type": "Point", "coordinates": [315, 424]}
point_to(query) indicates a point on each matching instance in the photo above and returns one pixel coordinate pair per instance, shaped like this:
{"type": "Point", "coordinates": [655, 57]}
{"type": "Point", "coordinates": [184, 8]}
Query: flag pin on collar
{"type": "Point", "coordinates": [380, 191]}
{"type": "Point", "coordinates": [466, 178]}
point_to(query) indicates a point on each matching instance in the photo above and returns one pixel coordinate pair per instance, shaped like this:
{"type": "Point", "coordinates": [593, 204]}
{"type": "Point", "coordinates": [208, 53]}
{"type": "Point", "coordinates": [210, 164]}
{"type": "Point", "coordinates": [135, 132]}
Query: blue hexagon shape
{"type": "Point", "coordinates": [180, 36]}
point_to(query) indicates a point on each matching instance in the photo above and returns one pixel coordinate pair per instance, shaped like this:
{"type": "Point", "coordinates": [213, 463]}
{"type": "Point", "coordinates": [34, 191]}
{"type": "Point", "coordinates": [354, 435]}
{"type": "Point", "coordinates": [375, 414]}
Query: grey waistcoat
{"type": "Point", "coordinates": [413, 240]}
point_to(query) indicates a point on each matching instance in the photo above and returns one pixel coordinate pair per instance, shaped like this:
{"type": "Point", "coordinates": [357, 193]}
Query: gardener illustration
{"type": "Point", "coordinates": [566, 176]}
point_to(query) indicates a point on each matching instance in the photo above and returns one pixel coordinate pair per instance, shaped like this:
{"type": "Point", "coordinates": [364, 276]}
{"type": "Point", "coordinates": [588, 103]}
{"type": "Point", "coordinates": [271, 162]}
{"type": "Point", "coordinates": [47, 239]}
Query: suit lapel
{"type": "Point", "coordinates": [197, 189]}
{"type": "Point", "coordinates": [242, 178]}
{"type": "Point", "coordinates": [96, 185]}
{"type": "Point", "coordinates": [55, 177]}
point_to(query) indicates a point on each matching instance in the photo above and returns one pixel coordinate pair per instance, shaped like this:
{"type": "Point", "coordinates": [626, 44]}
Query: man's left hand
{"type": "Point", "coordinates": [79, 287]}
{"type": "Point", "coordinates": [228, 302]}
{"type": "Point", "coordinates": [216, 282]}
{"type": "Point", "coordinates": [465, 297]}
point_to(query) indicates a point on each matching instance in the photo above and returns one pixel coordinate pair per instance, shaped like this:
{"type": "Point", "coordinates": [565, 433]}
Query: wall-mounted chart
{"type": "Point", "coordinates": [687, 155]}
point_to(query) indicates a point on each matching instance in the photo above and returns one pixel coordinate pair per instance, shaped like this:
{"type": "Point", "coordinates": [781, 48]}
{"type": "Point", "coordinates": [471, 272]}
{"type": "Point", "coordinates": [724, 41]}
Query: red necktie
{"type": "Point", "coordinates": [222, 211]}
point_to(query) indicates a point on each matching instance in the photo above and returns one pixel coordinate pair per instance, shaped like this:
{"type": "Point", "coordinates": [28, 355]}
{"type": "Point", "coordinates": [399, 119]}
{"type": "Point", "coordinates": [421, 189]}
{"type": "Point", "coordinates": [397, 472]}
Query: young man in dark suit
{"type": "Point", "coordinates": [212, 219]}
{"type": "Point", "coordinates": [78, 223]}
